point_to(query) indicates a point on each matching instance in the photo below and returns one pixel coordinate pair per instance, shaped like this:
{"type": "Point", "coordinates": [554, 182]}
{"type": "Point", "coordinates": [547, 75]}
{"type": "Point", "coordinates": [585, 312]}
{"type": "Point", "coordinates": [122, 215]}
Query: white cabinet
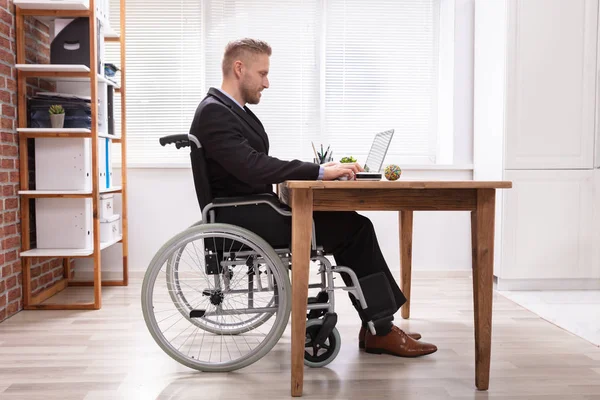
{"type": "Point", "coordinates": [551, 83]}
{"type": "Point", "coordinates": [548, 225]}
{"type": "Point", "coordinates": [535, 124]}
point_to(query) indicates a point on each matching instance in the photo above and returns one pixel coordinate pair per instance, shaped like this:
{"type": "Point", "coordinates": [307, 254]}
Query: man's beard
{"type": "Point", "coordinates": [251, 96]}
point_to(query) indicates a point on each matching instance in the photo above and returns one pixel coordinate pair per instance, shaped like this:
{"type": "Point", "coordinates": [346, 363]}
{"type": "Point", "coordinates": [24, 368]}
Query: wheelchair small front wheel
{"type": "Point", "coordinates": [319, 356]}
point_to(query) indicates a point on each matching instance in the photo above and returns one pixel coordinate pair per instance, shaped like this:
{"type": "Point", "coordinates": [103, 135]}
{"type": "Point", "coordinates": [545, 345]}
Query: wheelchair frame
{"type": "Point", "coordinates": [322, 305]}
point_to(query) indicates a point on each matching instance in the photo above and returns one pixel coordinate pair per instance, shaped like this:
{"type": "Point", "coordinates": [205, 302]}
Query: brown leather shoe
{"type": "Point", "coordinates": [363, 332]}
{"type": "Point", "coordinates": [397, 343]}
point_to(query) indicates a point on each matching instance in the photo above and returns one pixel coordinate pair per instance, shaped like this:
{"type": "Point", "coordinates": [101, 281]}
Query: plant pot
{"type": "Point", "coordinates": [57, 120]}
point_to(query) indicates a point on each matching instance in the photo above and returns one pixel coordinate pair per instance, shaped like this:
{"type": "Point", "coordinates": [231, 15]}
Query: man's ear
{"type": "Point", "coordinates": [238, 67]}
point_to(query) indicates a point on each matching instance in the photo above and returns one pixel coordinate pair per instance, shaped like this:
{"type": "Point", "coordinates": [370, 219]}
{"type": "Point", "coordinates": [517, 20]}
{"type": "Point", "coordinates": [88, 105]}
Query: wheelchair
{"type": "Point", "coordinates": [217, 297]}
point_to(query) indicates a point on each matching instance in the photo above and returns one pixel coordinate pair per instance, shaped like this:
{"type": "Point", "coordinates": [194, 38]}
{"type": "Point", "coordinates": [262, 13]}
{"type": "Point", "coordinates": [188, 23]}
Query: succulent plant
{"type": "Point", "coordinates": [56, 109]}
{"type": "Point", "coordinates": [348, 160]}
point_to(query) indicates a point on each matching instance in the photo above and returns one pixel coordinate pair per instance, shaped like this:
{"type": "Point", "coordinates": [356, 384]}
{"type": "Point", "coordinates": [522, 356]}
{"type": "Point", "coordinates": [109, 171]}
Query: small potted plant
{"type": "Point", "coordinates": [57, 116]}
{"type": "Point", "coordinates": [348, 160]}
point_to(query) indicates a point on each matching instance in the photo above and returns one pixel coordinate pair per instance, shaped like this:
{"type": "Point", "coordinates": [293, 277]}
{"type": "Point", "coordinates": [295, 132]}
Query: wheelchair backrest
{"type": "Point", "coordinates": [199, 169]}
{"type": "Point", "coordinates": [201, 180]}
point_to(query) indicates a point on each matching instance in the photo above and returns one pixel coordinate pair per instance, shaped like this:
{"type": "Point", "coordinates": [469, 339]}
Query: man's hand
{"type": "Point", "coordinates": [355, 167]}
{"type": "Point", "coordinates": [333, 172]}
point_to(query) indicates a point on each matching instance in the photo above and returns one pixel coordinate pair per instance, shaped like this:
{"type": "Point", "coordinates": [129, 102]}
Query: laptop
{"type": "Point", "coordinates": [379, 149]}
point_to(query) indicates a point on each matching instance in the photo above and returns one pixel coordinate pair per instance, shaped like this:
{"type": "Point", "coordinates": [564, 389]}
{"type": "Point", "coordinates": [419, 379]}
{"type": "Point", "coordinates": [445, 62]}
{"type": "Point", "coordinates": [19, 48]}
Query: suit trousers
{"type": "Point", "coordinates": [349, 237]}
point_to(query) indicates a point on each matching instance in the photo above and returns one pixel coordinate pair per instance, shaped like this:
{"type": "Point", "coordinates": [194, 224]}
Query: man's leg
{"type": "Point", "coordinates": [351, 238]}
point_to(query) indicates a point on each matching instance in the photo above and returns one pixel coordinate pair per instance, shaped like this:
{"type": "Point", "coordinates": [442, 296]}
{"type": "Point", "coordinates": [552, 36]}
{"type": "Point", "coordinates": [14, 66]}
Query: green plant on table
{"type": "Point", "coordinates": [348, 159]}
{"type": "Point", "coordinates": [56, 109]}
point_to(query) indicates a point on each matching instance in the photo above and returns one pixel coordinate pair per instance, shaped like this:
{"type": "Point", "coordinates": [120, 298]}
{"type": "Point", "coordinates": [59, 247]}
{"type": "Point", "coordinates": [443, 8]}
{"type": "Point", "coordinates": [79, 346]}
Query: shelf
{"type": "Point", "coordinates": [62, 72]}
{"type": "Point", "coordinates": [63, 253]}
{"type": "Point", "coordinates": [58, 253]}
{"type": "Point", "coordinates": [114, 189]}
{"type": "Point", "coordinates": [71, 5]}
{"type": "Point", "coordinates": [55, 133]}
{"type": "Point", "coordinates": [56, 193]}
{"type": "Point", "coordinates": [106, 135]}
{"type": "Point", "coordinates": [67, 193]}
{"type": "Point", "coordinates": [52, 68]}
{"type": "Point", "coordinates": [106, 245]}
{"type": "Point", "coordinates": [75, 78]}
{"type": "Point", "coordinates": [63, 133]}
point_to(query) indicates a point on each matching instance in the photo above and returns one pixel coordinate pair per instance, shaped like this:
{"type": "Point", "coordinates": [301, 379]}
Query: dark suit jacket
{"type": "Point", "coordinates": [236, 149]}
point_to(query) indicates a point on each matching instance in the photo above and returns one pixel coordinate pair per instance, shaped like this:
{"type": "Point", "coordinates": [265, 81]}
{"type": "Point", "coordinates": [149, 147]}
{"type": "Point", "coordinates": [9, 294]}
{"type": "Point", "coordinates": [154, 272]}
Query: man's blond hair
{"type": "Point", "coordinates": [241, 48]}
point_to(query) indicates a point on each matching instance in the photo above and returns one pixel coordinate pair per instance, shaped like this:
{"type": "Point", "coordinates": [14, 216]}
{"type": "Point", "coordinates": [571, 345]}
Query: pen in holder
{"type": "Point", "coordinates": [322, 157]}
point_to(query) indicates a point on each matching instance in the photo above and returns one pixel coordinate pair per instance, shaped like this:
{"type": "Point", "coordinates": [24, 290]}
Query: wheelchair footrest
{"type": "Point", "coordinates": [197, 313]}
{"type": "Point", "coordinates": [329, 323]}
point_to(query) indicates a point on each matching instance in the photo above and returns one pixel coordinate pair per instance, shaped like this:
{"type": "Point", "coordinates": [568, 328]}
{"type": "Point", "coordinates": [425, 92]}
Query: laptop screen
{"type": "Point", "coordinates": [378, 151]}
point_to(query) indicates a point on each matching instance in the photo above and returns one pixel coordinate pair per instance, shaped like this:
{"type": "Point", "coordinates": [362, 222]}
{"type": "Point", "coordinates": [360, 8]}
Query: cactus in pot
{"type": "Point", "coordinates": [57, 116]}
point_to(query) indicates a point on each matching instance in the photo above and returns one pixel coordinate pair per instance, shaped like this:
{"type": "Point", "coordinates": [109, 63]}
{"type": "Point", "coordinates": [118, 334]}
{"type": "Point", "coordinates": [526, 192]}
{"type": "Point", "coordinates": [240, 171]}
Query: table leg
{"type": "Point", "coordinates": [302, 205]}
{"type": "Point", "coordinates": [482, 235]}
{"type": "Point", "coordinates": [406, 231]}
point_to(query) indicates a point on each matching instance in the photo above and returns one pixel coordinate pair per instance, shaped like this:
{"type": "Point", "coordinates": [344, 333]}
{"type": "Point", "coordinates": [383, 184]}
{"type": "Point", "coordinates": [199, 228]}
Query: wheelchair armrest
{"type": "Point", "coordinates": [252, 200]}
{"type": "Point", "coordinates": [244, 201]}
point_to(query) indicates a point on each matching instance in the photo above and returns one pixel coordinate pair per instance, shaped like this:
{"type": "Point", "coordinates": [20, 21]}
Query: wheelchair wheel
{"type": "Point", "coordinates": [319, 357]}
{"type": "Point", "coordinates": [226, 280]}
{"type": "Point", "coordinates": [207, 323]}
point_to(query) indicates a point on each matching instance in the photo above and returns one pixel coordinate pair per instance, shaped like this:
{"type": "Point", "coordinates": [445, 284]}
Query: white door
{"type": "Point", "coordinates": [551, 83]}
{"type": "Point", "coordinates": [548, 230]}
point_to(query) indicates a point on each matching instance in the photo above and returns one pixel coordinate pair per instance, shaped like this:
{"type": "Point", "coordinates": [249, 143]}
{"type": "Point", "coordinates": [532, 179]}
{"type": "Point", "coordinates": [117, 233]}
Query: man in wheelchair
{"type": "Point", "coordinates": [235, 147]}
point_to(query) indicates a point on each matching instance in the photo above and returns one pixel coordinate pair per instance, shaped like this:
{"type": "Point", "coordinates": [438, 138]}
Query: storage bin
{"type": "Point", "coordinates": [63, 164]}
{"type": "Point", "coordinates": [110, 228]}
{"type": "Point", "coordinates": [106, 206]}
{"type": "Point", "coordinates": [63, 223]}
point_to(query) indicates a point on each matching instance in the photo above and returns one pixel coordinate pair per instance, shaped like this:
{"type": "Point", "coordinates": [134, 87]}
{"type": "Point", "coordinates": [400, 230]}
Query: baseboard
{"type": "Point", "coordinates": [546, 284]}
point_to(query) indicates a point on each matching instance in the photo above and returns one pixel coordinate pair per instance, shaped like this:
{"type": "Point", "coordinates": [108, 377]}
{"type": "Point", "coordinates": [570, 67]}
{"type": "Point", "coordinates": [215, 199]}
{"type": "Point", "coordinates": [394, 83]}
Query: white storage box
{"type": "Point", "coordinates": [106, 206]}
{"type": "Point", "coordinates": [63, 164]}
{"type": "Point", "coordinates": [63, 223]}
{"type": "Point", "coordinates": [110, 228]}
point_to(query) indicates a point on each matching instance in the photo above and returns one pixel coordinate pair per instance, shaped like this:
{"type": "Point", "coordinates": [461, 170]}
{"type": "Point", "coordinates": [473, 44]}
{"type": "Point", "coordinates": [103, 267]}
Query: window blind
{"type": "Point", "coordinates": [381, 73]}
{"type": "Point", "coordinates": [289, 108]}
{"type": "Point", "coordinates": [164, 81]}
{"type": "Point", "coordinates": [341, 71]}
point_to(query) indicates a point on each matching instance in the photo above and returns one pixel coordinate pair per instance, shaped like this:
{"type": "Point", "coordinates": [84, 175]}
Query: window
{"type": "Point", "coordinates": [381, 73]}
{"type": "Point", "coordinates": [341, 71]}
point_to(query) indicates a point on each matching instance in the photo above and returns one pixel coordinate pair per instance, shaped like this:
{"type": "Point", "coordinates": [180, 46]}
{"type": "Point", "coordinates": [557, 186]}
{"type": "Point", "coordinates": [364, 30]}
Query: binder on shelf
{"type": "Point", "coordinates": [104, 163]}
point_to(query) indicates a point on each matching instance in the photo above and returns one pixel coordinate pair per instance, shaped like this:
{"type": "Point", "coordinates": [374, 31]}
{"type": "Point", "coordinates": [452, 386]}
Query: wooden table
{"type": "Point", "coordinates": [404, 196]}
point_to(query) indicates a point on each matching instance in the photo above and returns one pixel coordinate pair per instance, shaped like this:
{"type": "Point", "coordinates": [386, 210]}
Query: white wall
{"type": "Point", "coordinates": [162, 201]}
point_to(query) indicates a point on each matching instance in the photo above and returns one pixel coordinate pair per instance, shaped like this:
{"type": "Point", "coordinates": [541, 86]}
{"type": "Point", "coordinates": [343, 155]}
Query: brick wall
{"type": "Point", "coordinates": [44, 271]}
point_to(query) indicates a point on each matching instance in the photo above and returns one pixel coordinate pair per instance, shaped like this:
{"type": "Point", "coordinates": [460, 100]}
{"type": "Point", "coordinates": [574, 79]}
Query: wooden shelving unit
{"type": "Point", "coordinates": [46, 11]}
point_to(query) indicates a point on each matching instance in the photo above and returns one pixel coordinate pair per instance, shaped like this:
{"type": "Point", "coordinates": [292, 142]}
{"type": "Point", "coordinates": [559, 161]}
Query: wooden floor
{"type": "Point", "coordinates": [108, 354]}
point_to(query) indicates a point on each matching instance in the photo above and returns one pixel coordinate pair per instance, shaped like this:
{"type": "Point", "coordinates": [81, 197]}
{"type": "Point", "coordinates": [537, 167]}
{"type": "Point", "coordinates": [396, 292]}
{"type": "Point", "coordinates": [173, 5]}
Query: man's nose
{"type": "Point", "coordinates": [266, 83]}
